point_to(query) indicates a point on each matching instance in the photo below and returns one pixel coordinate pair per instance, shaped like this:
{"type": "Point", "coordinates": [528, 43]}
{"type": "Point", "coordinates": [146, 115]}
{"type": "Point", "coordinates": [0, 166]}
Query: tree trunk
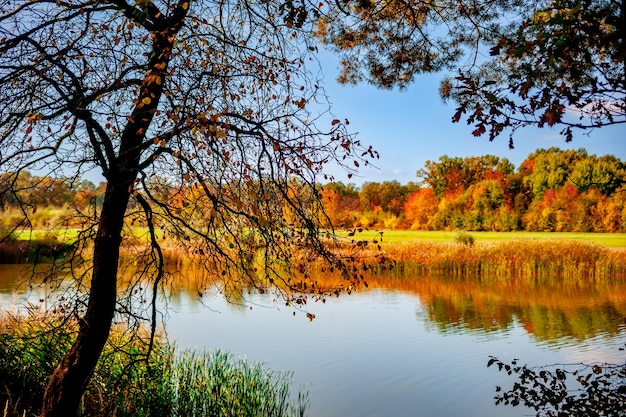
{"type": "Point", "coordinates": [68, 382]}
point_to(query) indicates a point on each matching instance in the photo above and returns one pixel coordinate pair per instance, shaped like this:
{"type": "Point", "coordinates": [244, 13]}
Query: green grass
{"type": "Point", "coordinates": [174, 383]}
{"type": "Point", "coordinates": [615, 240]}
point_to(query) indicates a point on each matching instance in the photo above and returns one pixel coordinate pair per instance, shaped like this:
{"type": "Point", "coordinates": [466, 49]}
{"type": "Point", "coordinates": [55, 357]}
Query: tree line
{"type": "Point", "coordinates": [552, 190]}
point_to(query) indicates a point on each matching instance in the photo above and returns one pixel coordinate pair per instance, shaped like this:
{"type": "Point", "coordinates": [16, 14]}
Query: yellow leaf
{"type": "Point", "coordinates": [146, 100]}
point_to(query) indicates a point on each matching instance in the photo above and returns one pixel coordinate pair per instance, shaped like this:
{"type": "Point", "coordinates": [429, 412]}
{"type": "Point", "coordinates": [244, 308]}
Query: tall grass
{"type": "Point", "coordinates": [213, 384]}
{"type": "Point", "coordinates": [513, 259]}
{"type": "Point", "coordinates": [128, 383]}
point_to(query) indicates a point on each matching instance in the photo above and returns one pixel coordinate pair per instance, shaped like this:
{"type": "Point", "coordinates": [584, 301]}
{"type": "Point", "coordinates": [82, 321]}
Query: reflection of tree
{"type": "Point", "coordinates": [546, 311]}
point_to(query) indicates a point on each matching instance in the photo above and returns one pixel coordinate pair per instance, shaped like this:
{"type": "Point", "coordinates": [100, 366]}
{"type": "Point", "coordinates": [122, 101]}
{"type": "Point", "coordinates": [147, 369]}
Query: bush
{"type": "Point", "coordinates": [464, 238]}
{"type": "Point", "coordinates": [590, 390]}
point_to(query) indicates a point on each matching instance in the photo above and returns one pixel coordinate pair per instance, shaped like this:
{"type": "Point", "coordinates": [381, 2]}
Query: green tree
{"type": "Point", "coordinates": [487, 197]}
{"type": "Point", "coordinates": [160, 96]}
{"type": "Point", "coordinates": [605, 173]}
{"type": "Point", "coordinates": [551, 169]}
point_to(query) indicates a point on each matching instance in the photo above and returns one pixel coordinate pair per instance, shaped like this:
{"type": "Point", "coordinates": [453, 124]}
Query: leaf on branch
{"type": "Point", "coordinates": [523, 92]}
{"type": "Point", "coordinates": [479, 130]}
{"type": "Point", "coordinates": [457, 115]}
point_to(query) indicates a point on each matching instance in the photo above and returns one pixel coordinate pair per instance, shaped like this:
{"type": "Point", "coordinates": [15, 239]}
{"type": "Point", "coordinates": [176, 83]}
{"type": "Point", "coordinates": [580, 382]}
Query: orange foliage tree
{"type": "Point", "coordinates": [420, 208]}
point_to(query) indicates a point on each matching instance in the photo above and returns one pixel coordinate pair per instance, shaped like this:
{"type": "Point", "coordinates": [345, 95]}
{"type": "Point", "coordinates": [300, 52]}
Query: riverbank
{"type": "Point", "coordinates": [129, 382]}
{"type": "Point", "coordinates": [512, 255]}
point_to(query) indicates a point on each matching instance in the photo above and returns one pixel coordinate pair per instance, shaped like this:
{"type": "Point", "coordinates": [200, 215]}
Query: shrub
{"type": "Point", "coordinates": [591, 390]}
{"type": "Point", "coordinates": [464, 238]}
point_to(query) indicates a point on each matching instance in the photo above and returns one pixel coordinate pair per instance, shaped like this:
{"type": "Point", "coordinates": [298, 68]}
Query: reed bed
{"type": "Point", "coordinates": [213, 384]}
{"type": "Point", "coordinates": [128, 383]}
{"type": "Point", "coordinates": [570, 261]}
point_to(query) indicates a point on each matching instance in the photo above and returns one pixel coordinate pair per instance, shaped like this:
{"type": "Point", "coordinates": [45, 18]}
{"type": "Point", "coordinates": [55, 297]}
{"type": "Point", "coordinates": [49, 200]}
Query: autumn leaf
{"type": "Point", "coordinates": [479, 130]}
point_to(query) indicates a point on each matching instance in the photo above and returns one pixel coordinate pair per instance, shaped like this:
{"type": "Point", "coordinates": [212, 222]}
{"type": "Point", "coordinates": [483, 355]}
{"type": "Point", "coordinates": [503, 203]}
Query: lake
{"type": "Point", "coordinates": [406, 346]}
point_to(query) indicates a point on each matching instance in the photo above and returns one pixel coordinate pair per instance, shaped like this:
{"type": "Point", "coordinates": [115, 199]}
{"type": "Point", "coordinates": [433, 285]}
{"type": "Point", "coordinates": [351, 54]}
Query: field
{"type": "Point", "coordinates": [614, 240]}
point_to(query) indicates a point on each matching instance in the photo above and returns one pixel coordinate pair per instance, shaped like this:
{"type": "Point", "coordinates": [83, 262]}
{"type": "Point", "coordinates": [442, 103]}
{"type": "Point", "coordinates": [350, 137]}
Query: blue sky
{"type": "Point", "coordinates": [409, 127]}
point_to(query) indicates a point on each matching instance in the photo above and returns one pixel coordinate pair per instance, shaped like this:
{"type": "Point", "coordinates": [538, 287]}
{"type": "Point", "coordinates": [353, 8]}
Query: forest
{"type": "Point", "coordinates": [552, 190]}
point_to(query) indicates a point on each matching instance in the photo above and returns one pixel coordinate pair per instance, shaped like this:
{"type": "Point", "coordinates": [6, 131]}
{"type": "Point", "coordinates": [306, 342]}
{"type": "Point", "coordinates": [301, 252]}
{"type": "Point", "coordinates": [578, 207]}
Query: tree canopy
{"type": "Point", "coordinates": [509, 64]}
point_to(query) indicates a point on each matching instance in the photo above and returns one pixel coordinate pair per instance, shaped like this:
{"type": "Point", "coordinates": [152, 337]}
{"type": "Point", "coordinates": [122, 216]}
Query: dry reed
{"type": "Point", "coordinates": [513, 259]}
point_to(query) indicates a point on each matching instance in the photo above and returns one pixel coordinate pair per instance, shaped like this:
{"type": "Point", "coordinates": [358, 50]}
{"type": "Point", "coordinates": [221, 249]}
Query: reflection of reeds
{"type": "Point", "coordinates": [523, 261]}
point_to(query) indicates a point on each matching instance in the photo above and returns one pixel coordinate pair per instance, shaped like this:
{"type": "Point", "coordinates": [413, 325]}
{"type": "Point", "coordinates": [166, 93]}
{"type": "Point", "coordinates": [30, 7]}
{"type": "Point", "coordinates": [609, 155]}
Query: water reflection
{"type": "Point", "coordinates": [550, 312]}
{"type": "Point", "coordinates": [403, 347]}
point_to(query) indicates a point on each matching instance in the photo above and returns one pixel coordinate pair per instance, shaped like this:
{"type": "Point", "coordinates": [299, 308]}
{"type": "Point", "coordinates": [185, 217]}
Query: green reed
{"type": "Point", "coordinates": [127, 382]}
{"type": "Point", "coordinates": [213, 384]}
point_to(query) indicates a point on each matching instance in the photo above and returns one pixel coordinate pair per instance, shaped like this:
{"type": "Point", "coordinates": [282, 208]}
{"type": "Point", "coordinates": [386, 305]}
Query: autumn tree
{"type": "Point", "coordinates": [341, 203]}
{"type": "Point", "coordinates": [453, 175]}
{"type": "Point", "coordinates": [560, 63]}
{"type": "Point", "coordinates": [419, 208]}
{"type": "Point", "coordinates": [163, 96]}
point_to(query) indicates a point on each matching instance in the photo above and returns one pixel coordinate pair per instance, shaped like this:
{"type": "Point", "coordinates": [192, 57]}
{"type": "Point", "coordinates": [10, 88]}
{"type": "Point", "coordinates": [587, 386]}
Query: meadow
{"type": "Point", "coordinates": [614, 240]}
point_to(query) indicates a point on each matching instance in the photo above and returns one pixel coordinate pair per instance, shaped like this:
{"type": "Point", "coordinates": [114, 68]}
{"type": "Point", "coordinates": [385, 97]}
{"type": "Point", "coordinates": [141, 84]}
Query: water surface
{"type": "Point", "coordinates": [405, 347]}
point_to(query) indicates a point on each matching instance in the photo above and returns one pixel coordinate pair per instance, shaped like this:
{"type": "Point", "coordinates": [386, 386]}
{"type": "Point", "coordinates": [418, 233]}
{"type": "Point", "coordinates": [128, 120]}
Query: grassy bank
{"type": "Point", "coordinates": [127, 383]}
{"type": "Point", "coordinates": [615, 240]}
{"type": "Point", "coordinates": [574, 256]}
